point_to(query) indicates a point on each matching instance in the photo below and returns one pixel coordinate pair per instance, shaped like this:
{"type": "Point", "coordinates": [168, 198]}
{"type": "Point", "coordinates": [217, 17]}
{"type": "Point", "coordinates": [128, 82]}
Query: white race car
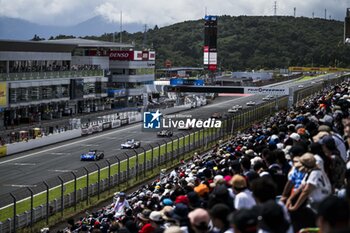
{"type": "Point", "coordinates": [239, 107]}
{"type": "Point", "coordinates": [233, 110]}
{"type": "Point", "coordinates": [267, 98]}
{"type": "Point", "coordinates": [251, 103]}
{"type": "Point", "coordinates": [131, 144]}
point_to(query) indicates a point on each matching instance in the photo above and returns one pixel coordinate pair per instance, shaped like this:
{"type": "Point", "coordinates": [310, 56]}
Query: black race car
{"type": "Point", "coordinates": [165, 133]}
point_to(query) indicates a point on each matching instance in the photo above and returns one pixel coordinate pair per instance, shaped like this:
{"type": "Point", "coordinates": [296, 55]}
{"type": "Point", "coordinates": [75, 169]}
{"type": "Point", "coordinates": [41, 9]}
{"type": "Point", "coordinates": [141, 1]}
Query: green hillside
{"type": "Point", "coordinates": [249, 42]}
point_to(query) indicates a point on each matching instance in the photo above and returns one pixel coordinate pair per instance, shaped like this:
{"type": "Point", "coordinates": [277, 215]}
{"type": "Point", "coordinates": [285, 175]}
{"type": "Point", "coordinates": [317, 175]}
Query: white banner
{"type": "Point", "coordinates": [266, 91]}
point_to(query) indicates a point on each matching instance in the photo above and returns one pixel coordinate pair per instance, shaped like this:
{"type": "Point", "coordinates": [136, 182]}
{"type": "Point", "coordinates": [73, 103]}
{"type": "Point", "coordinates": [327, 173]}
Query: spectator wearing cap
{"type": "Point", "coordinates": [295, 137]}
{"type": "Point", "coordinates": [337, 165]}
{"type": "Point", "coordinates": [339, 141]}
{"type": "Point", "coordinates": [199, 220]}
{"type": "Point", "coordinates": [194, 201]}
{"type": "Point", "coordinates": [271, 218]}
{"type": "Point", "coordinates": [275, 170]}
{"type": "Point", "coordinates": [182, 199]}
{"type": "Point", "coordinates": [180, 214]}
{"type": "Point", "coordinates": [120, 205]}
{"type": "Point", "coordinates": [167, 213]}
{"type": "Point", "coordinates": [144, 221]}
{"type": "Point", "coordinates": [221, 194]}
{"type": "Point", "coordinates": [247, 170]}
{"type": "Point", "coordinates": [202, 190]}
{"type": "Point", "coordinates": [243, 196]}
{"type": "Point", "coordinates": [244, 221]}
{"type": "Point", "coordinates": [218, 214]}
{"type": "Point", "coordinates": [315, 185]}
{"type": "Point", "coordinates": [157, 222]}
{"type": "Point", "coordinates": [333, 215]}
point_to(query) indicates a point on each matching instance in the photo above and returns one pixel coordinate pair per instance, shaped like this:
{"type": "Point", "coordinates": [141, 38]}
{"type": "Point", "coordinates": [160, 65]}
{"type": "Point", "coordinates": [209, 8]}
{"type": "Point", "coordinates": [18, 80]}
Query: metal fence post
{"type": "Point", "coordinates": [118, 180]}
{"type": "Point", "coordinates": [128, 167]}
{"type": "Point", "coordinates": [75, 191]}
{"type": "Point", "coordinates": [98, 180]}
{"type": "Point", "coordinates": [137, 164]}
{"type": "Point", "coordinates": [152, 157]}
{"type": "Point", "coordinates": [109, 175]}
{"type": "Point", "coordinates": [203, 140]}
{"type": "Point", "coordinates": [178, 146]}
{"type": "Point", "coordinates": [158, 154]}
{"type": "Point", "coordinates": [184, 146]}
{"type": "Point", "coordinates": [166, 149]}
{"type": "Point", "coordinates": [62, 184]}
{"type": "Point", "coordinates": [47, 202]}
{"type": "Point", "coordinates": [31, 207]}
{"type": "Point", "coordinates": [172, 150]}
{"type": "Point", "coordinates": [14, 211]}
{"type": "Point", "coordinates": [87, 185]}
{"type": "Point", "coordinates": [144, 161]}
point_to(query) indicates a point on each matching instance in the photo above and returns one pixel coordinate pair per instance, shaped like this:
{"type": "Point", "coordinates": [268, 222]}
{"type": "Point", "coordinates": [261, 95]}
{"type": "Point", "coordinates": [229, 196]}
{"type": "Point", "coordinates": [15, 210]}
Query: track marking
{"type": "Point", "coordinates": [60, 153]}
{"type": "Point", "coordinates": [24, 164]}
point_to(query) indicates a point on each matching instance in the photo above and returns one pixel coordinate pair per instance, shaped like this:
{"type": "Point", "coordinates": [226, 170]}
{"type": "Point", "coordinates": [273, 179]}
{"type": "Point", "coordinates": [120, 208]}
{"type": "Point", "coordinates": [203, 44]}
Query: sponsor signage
{"type": "Point", "coordinates": [132, 55]}
{"type": "Point", "coordinates": [145, 56]}
{"type": "Point", "coordinates": [152, 56]}
{"type": "Point", "coordinates": [137, 55]}
{"type": "Point", "coordinates": [180, 81]}
{"type": "Point", "coordinates": [116, 92]}
{"type": "Point", "coordinates": [3, 94]}
{"type": "Point", "coordinates": [121, 55]}
{"type": "Point", "coordinates": [266, 91]}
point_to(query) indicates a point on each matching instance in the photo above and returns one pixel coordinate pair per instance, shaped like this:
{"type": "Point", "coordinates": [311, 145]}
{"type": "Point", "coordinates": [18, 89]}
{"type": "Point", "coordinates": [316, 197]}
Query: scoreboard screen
{"type": "Point", "coordinates": [347, 27]}
{"type": "Point", "coordinates": [210, 42]}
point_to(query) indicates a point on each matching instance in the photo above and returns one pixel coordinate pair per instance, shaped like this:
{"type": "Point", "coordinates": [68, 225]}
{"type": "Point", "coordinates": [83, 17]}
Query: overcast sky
{"type": "Point", "coordinates": [162, 12]}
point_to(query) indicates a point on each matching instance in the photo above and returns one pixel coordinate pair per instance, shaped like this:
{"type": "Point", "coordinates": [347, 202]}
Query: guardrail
{"type": "Point", "coordinates": [84, 187]}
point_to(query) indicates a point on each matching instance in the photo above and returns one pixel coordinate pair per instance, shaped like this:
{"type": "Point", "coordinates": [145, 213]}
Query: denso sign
{"type": "Point", "coordinates": [121, 55]}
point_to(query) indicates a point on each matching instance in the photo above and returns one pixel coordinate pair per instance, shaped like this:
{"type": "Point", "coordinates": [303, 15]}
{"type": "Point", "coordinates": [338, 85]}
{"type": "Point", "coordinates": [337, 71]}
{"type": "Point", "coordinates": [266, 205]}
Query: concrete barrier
{"type": "Point", "coordinates": [44, 141]}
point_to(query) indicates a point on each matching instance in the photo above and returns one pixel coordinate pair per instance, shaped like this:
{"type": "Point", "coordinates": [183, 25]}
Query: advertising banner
{"type": "Point", "coordinates": [3, 151]}
{"type": "Point", "coordinates": [3, 94]}
{"type": "Point", "coordinates": [121, 55]}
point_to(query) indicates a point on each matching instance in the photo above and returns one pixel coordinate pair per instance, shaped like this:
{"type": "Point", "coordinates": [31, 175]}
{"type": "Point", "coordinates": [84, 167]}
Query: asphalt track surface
{"type": "Point", "coordinates": [34, 166]}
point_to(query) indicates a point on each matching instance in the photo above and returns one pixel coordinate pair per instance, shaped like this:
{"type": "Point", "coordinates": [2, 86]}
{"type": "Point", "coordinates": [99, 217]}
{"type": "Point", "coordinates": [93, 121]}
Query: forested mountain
{"type": "Point", "coordinates": [249, 42]}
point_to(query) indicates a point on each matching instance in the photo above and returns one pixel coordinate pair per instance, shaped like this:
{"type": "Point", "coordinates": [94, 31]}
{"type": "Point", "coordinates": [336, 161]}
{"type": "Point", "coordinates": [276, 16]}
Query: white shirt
{"type": "Point", "coordinates": [244, 199]}
{"type": "Point", "coordinates": [319, 162]}
{"type": "Point", "coordinates": [320, 181]}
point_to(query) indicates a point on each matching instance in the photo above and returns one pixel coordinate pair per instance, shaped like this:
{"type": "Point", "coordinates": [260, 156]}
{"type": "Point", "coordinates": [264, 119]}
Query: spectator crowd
{"type": "Point", "coordinates": [288, 173]}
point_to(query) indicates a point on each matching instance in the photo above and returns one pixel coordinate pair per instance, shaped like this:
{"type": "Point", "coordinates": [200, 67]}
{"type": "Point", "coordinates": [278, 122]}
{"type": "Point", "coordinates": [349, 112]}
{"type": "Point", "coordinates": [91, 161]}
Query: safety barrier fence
{"type": "Point", "coordinates": [29, 204]}
{"type": "Point", "coordinates": [85, 186]}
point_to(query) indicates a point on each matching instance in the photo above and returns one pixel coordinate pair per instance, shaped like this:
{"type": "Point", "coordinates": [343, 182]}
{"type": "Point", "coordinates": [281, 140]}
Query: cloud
{"type": "Point", "coordinates": [160, 12]}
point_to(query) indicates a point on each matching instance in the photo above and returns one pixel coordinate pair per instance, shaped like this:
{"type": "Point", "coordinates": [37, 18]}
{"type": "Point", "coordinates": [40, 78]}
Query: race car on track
{"type": "Point", "coordinates": [216, 115]}
{"type": "Point", "coordinates": [251, 103]}
{"type": "Point", "coordinates": [92, 155]}
{"type": "Point", "coordinates": [131, 144]}
{"type": "Point", "coordinates": [267, 98]}
{"type": "Point", "coordinates": [165, 133]}
{"type": "Point", "coordinates": [233, 110]}
{"type": "Point", "coordinates": [237, 106]}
